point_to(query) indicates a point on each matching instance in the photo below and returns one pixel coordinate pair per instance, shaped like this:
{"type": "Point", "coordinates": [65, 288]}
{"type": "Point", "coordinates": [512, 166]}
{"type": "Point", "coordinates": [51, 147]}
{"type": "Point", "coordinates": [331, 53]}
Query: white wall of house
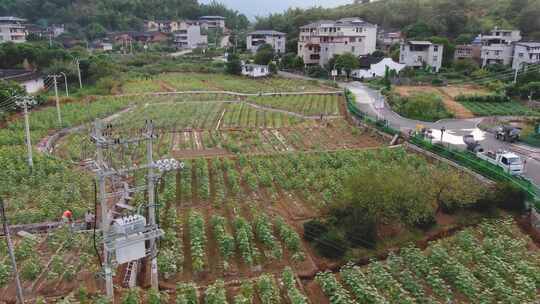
{"type": "Point", "coordinates": [497, 54]}
{"type": "Point", "coordinates": [33, 86]}
{"type": "Point", "coordinates": [526, 53]}
{"type": "Point", "coordinates": [497, 46]}
{"type": "Point", "coordinates": [189, 37]}
{"type": "Point", "coordinates": [12, 29]}
{"type": "Point", "coordinates": [416, 54]}
{"type": "Point", "coordinates": [320, 41]}
{"type": "Point", "coordinates": [255, 70]}
{"type": "Point", "coordinates": [378, 69]}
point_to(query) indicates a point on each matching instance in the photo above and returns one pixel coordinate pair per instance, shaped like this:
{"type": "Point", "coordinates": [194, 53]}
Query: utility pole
{"type": "Point", "coordinates": [105, 220]}
{"type": "Point", "coordinates": [78, 63]}
{"type": "Point", "coordinates": [66, 82]}
{"type": "Point", "coordinates": [24, 102]}
{"type": "Point", "coordinates": [54, 77]}
{"type": "Point", "coordinates": [20, 296]}
{"type": "Point", "coordinates": [151, 231]}
{"type": "Point", "coordinates": [151, 204]}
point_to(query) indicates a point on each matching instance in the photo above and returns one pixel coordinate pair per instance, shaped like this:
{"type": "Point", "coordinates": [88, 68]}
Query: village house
{"type": "Point", "coordinates": [320, 41]}
{"type": "Point", "coordinates": [498, 46]}
{"type": "Point", "coordinates": [526, 53]}
{"type": "Point", "coordinates": [12, 29]}
{"type": "Point", "coordinates": [388, 38]}
{"type": "Point", "coordinates": [257, 38]}
{"type": "Point", "coordinates": [189, 36]}
{"type": "Point", "coordinates": [468, 51]}
{"type": "Point", "coordinates": [421, 53]}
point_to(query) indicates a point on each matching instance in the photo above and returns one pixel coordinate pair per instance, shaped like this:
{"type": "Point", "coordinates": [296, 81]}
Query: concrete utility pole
{"type": "Point", "coordinates": [24, 102]}
{"type": "Point", "coordinates": [105, 221]}
{"type": "Point", "coordinates": [78, 63]}
{"type": "Point", "coordinates": [54, 77]}
{"type": "Point", "coordinates": [151, 204]}
{"type": "Point", "coordinates": [20, 297]}
{"type": "Point", "coordinates": [66, 83]}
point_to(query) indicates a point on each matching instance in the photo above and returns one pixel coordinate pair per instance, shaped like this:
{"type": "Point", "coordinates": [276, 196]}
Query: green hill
{"type": "Point", "coordinates": [88, 16]}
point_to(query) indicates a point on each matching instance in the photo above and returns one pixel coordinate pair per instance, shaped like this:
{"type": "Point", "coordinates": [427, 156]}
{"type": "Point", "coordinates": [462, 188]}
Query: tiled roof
{"type": "Point", "coordinates": [267, 32]}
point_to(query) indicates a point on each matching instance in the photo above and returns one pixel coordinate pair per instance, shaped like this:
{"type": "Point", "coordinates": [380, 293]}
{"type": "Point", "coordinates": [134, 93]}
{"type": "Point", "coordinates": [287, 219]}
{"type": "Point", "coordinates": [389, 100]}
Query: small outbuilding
{"type": "Point", "coordinates": [255, 70]}
{"type": "Point", "coordinates": [378, 69]}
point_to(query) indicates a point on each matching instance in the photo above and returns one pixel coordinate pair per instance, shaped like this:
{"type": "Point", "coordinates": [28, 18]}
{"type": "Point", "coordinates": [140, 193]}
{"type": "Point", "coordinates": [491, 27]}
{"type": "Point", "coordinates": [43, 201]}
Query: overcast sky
{"type": "Point", "coordinates": [252, 8]}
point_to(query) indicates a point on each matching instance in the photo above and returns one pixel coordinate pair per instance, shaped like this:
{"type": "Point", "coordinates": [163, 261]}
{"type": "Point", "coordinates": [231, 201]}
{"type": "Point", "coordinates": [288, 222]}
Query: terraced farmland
{"type": "Point", "coordinates": [257, 168]}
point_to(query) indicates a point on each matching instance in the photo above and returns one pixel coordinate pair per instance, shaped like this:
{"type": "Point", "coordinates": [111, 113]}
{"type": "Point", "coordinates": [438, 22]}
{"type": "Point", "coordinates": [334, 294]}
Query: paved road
{"type": "Point", "coordinates": [371, 102]}
{"type": "Point", "coordinates": [180, 53]}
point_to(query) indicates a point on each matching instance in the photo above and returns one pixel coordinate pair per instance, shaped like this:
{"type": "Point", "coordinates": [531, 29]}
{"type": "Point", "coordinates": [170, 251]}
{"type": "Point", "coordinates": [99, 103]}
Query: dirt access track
{"type": "Point", "coordinates": [448, 95]}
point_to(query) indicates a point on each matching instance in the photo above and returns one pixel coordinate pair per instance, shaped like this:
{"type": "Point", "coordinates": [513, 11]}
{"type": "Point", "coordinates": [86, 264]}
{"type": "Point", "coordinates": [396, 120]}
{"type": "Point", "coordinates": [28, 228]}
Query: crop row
{"type": "Point", "coordinates": [309, 105]}
{"type": "Point", "coordinates": [267, 288]}
{"type": "Point", "coordinates": [237, 235]}
{"type": "Point", "coordinates": [490, 265]}
{"type": "Point", "coordinates": [60, 256]}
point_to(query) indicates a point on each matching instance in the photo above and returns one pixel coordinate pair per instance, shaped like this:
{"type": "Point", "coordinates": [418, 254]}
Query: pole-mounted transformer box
{"type": "Point", "coordinates": [130, 238]}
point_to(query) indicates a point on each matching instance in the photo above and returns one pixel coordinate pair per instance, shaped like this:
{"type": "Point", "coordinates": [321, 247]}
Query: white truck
{"type": "Point", "coordinates": [510, 162]}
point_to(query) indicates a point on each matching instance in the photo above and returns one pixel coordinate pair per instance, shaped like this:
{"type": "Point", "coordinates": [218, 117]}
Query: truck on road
{"type": "Point", "coordinates": [510, 162]}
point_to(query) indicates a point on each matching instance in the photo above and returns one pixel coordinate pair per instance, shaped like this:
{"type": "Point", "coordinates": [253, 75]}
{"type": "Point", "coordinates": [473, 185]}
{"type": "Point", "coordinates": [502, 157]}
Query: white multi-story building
{"type": "Point", "coordinates": [12, 29]}
{"type": "Point", "coordinates": [421, 53]}
{"type": "Point", "coordinates": [320, 41]}
{"type": "Point", "coordinates": [188, 36]}
{"type": "Point", "coordinates": [497, 47]}
{"type": "Point", "coordinates": [257, 38]}
{"type": "Point", "coordinates": [526, 53]}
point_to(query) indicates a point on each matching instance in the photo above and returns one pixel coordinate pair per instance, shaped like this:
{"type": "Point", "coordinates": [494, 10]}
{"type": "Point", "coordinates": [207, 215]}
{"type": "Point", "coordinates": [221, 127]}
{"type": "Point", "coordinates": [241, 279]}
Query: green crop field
{"type": "Point", "coordinates": [256, 170]}
{"type": "Point", "coordinates": [219, 82]}
{"type": "Point", "coordinates": [499, 109]}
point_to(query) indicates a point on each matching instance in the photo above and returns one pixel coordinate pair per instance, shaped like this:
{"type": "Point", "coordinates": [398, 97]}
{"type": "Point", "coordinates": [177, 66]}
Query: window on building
{"type": "Point", "coordinates": [520, 55]}
{"type": "Point", "coordinates": [436, 48]}
{"type": "Point", "coordinates": [353, 39]}
{"type": "Point", "coordinates": [435, 58]}
{"type": "Point", "coordinates": [352, 49]}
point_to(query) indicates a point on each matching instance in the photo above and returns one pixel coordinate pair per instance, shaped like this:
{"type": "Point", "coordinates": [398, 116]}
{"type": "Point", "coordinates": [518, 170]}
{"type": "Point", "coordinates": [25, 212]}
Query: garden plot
{"type": "Point", "coordinates": [494, 263]}
{"type": "Point", "coordinates": [511, 108]}
{"type": "Point", "coordinates": [232, 217]}
{"type": "Point", "coordinates": [447, 95]}
{"type": "Point", "coordinates": [220, 82]}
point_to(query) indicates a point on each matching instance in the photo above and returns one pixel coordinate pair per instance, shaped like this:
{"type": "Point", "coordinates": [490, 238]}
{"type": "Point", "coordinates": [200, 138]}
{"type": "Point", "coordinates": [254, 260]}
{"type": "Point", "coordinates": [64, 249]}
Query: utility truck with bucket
{"type": "Point", "coordinates": [510, 162]}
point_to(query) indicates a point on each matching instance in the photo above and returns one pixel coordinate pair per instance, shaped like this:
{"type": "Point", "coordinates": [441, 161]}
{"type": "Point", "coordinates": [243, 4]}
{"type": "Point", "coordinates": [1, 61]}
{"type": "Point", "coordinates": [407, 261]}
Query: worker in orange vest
{"type": "Point", "coordinates": [67, 217]}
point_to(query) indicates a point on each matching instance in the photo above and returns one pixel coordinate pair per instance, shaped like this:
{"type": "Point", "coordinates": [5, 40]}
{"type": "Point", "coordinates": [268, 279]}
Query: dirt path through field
{"type": "Point", "coordinates": [166, 86]}
{"type": "Point", "coordinates": [455, 107]}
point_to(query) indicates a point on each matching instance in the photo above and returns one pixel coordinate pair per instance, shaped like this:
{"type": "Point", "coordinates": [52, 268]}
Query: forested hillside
{"type": "Point", "coordinates": [84, 16]}
{"type": "Point", "coordinates": [423, 18]}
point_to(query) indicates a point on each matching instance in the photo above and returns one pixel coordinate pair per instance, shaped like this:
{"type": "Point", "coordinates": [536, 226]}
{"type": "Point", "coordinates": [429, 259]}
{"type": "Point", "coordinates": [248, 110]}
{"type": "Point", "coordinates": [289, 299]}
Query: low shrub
{"type": "Point", "coordinates": [509, 197]}
{"type": "Point", "coordinates": [426, 223]}
{"type": "Point", "coordinates": [314, 229]}
{"type": "Point", "coordinates": [331, 245]}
